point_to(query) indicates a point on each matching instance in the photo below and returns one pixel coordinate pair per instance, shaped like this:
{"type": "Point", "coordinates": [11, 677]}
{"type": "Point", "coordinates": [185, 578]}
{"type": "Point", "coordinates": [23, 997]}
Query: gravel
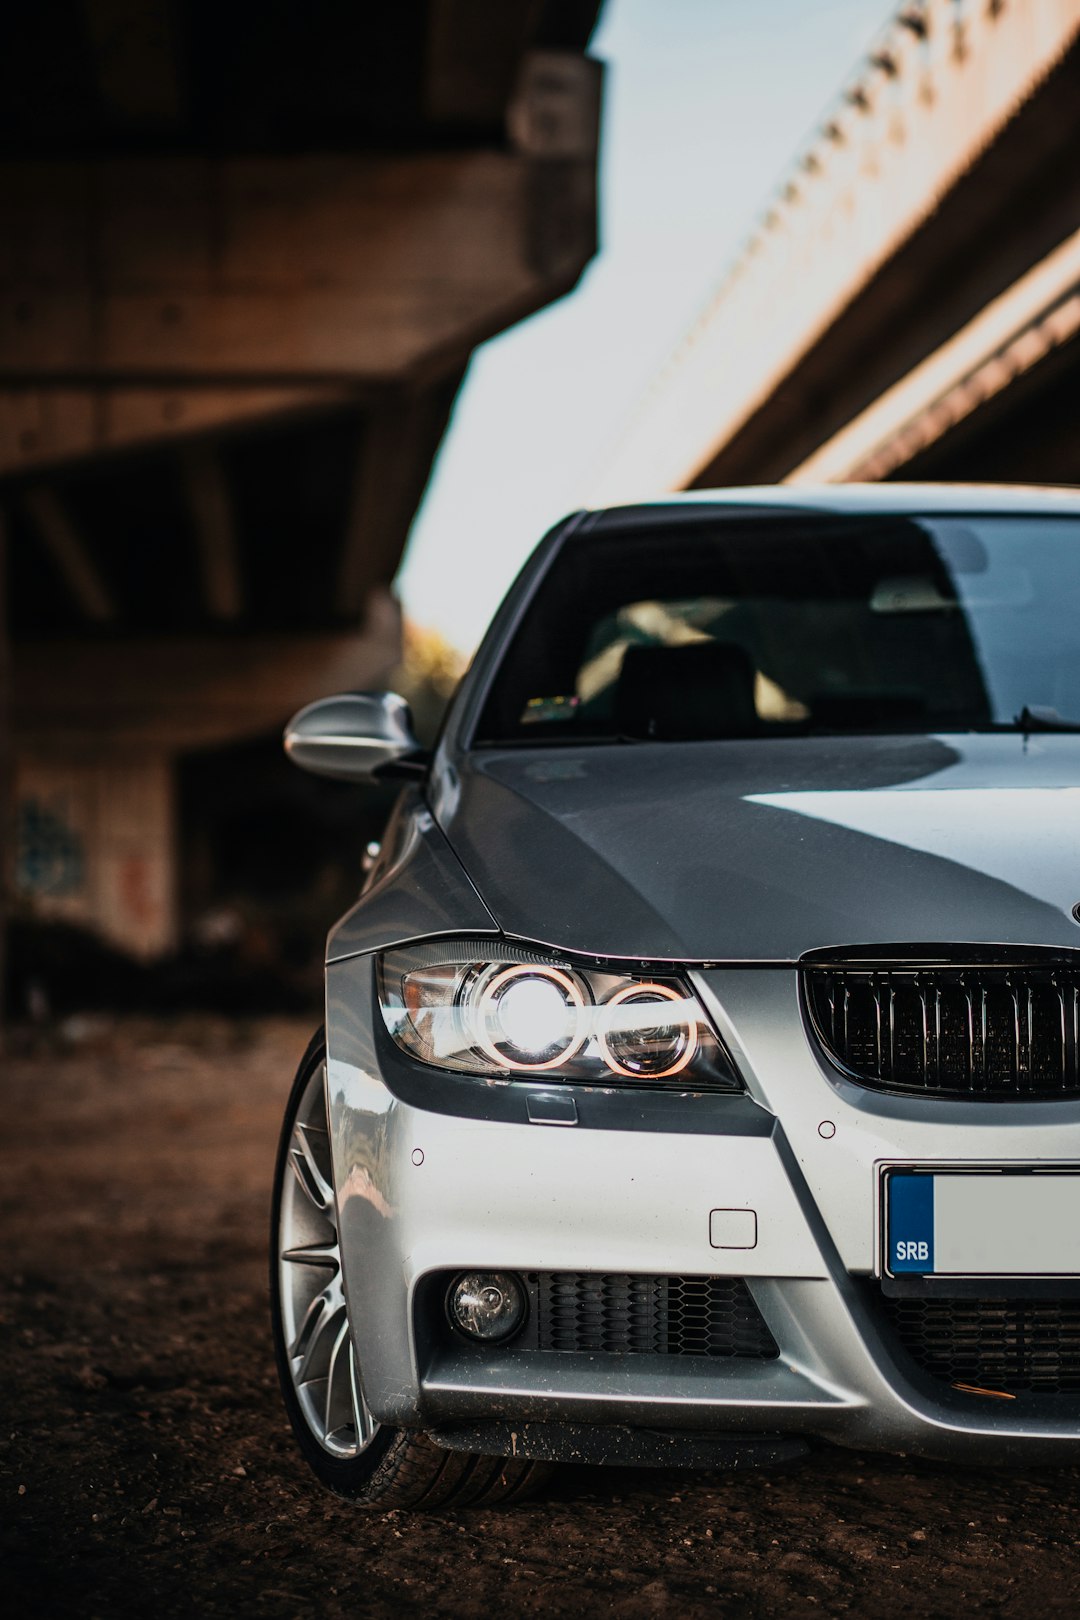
{"type": "Point", "coordinates": [147, 1467]}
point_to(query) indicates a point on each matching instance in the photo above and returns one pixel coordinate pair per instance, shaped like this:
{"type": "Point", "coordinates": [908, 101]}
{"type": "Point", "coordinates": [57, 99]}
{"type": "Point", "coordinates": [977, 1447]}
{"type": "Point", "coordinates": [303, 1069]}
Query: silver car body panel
{"type": "Point", "coordinates": [418, 887]}
{"type": "Point", "coordinates": [493, 1195]}
{"type": "Point", "coordinates": [764, 850]}
{"type": "Point", "coordinates": [735, 858]}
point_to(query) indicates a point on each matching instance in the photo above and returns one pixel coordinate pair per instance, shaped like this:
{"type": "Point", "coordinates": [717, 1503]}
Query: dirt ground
{"type": "Point", "coordinates": [146, 1465]}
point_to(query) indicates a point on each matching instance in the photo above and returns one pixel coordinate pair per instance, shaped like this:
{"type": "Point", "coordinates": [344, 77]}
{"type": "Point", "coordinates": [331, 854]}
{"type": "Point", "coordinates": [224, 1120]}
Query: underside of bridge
{"type": "Point", "coordinates": [995, 411]}
{"type": "Point", "coordinates": [909, 306]}
{"type": "Point", "coordinates": [246, 253]}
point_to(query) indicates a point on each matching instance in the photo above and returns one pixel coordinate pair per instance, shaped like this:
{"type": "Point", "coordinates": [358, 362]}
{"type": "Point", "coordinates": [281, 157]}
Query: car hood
{"type": "Point", "coordinates": [763, 850]}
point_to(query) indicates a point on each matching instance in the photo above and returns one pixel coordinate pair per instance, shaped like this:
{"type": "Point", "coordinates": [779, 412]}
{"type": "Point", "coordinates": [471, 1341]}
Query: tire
{"type": "Point", "coordinates": [357, 1457]}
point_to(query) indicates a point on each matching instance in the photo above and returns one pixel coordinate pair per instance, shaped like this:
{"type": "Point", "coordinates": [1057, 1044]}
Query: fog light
{"type": "Point", "coordinates": [486, 1305]}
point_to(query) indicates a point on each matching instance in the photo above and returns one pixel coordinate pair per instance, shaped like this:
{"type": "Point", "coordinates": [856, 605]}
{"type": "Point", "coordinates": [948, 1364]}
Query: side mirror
{"type": "Point", "coordinates": [357, 736]}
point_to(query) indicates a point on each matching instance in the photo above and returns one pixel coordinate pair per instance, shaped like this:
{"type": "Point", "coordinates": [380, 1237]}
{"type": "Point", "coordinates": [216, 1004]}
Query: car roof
{"type": "Point", "coordinates": [1044, 499]}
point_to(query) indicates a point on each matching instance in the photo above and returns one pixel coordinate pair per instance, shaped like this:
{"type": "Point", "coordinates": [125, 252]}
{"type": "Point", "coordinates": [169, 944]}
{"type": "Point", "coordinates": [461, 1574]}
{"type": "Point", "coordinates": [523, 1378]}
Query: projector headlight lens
{"type": "Point", "coordinates": [487, 1305]}
{"type": "Point", "coordinates": [653, 1043]}
{"type": "Point", "coordinates": [487, 1008]}
{"type": "Point", "coordinates": [527, 1017]}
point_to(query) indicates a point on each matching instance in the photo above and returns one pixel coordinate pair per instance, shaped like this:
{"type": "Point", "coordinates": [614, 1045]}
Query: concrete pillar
{"type": "Point", "coordinates": [97, 846]}
{"type": "Point", "coordinates": [6, 772]}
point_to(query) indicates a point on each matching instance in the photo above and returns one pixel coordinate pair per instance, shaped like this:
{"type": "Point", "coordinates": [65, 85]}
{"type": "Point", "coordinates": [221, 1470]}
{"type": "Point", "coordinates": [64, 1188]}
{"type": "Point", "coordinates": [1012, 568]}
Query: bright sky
{"type": "Point", "coordinates": [705, 104]}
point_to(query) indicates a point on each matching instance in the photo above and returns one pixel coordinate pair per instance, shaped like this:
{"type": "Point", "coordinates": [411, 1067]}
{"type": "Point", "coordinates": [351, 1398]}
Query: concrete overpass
{"type": "Point", "coordinates": [909, 304]}
{"type": "Point", "coordinates": [246, 253]}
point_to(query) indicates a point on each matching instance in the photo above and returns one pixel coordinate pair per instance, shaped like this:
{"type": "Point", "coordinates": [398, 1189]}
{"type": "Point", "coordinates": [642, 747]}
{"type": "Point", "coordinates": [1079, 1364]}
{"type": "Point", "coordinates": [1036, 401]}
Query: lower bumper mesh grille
{"type": "Point", "coordinates": [626, 1314]}
{"type": "Point", "coordinates": [1014, 1345]}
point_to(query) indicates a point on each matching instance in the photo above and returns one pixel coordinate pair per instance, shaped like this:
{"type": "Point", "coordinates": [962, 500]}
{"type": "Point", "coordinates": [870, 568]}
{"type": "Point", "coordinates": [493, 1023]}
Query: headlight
{"type": "Point", "coordinates": [519, 1012]}
{"type": "Point", "coordinates": [649, 1052]}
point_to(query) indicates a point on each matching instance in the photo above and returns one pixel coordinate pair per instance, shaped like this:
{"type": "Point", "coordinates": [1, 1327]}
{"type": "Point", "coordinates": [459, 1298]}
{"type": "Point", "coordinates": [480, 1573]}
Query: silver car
{"type": "Point", "coordinates": [701, 1070]}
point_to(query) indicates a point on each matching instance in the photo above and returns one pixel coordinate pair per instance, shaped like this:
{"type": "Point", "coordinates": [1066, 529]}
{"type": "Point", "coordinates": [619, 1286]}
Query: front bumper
{"type": "Point", "coordinates": [423, 1191]}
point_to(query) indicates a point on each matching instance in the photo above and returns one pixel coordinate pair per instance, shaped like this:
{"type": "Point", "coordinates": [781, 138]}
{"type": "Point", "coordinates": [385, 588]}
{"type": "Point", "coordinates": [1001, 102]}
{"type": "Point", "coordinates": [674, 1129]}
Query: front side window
{"type": "Point", "coordinates": [796, 625]}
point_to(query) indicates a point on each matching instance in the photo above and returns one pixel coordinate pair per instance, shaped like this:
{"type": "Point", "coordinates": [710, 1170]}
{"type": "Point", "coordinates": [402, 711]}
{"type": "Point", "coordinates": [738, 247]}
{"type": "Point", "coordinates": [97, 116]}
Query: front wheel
{"type": "Point", "coordinates": [321, 1378]}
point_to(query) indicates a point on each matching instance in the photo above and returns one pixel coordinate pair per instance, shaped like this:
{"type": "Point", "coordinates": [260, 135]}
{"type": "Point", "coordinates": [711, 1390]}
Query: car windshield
{"type": "Point", "coordinates": [729, 627]}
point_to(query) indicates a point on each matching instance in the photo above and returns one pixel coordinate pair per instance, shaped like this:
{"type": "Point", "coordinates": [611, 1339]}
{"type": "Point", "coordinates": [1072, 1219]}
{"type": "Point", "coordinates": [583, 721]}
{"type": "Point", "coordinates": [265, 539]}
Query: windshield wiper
{"type": "Point", "coordinates": [1041, 718]}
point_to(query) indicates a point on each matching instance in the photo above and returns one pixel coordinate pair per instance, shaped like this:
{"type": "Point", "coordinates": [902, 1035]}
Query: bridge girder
{"type": "Point", "coordinates": [246, 252]}
{"type": "Point", "coordinates": [942, 180]}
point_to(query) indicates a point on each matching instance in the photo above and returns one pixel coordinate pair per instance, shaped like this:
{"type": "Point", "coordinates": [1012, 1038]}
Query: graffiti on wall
{"type": "Point", "coordinates": [50, 857]}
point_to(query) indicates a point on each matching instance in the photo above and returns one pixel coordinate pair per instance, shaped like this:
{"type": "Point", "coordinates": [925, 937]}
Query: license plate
{"type": "Point", "coordinates": [982, 1223]}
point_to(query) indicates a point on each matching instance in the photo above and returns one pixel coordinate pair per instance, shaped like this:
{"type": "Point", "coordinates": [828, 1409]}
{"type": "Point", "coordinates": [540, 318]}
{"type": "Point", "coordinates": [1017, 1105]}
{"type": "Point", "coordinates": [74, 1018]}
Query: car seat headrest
{"type": "Point", "coordinates": [701, 689]}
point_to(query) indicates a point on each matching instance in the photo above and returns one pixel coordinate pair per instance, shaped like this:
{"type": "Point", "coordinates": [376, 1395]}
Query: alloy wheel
{"type": "Point", "coordinates": [315, 1320]}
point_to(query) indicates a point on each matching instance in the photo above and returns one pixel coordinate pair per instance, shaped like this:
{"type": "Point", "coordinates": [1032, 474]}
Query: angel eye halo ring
{"type": "Point", "coordinates": [498, 1009]}
{"type": "Point", "coordinates": [529, 1017]}
{"type": "Point", "coordinates": [648, 1054]}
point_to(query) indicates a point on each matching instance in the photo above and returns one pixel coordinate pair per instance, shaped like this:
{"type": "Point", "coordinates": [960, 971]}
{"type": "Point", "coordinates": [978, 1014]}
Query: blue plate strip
{"type": "Point", "coordinates": [911, 1224]}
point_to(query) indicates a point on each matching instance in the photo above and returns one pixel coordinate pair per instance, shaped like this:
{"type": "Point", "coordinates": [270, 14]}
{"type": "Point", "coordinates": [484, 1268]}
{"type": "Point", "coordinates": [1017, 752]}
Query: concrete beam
{"type": "Point", "coordinates": [259, 270]}
{"type": "Point", "coordinates": [472, 55]}
{"type": "Point", "coordinates": [136, 70]}
{"type": "Point", "coordinates": [215, 532]}
{"type": "Point", "coordinates": [144, 297]}
{"type": "Point", "coordinates": [70, 556]}
{"type": "Point", "coordinates": [1014, 333]}
{"type": "Point", "coordinates": [73, 697]}
{"type": "Point", "coordinates": [47, 424]}
{"type": "Point", "coordinates": [929, 105]}
{"type": "Point", "coordinates": [394, 454]}
{"type": "Point", "coordinates": [7, 774]}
